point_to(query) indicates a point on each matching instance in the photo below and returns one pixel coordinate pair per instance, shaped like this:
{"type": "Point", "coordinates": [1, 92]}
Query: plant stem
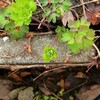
{"type": "Point", "coordinates": [84, 4]}
{"type": "Point", "coordinates": [96, 49]}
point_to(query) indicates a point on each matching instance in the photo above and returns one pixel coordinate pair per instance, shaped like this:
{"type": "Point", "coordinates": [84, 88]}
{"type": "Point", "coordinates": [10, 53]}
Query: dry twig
{"type": "Point", "coordinates": [84, 4]}
{"type": "Point", "coordinates": [97, 49]}
{"type": "Point", "coordinates": [47, 65]}
{"type": "Point", "coordinates": [62, 66]}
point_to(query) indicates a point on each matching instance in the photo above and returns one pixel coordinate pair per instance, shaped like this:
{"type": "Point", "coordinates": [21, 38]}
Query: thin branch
{"type": "Point", "coordinates": [76, 87]}
{"type": "Point", "coordinates": [45, 65]}
{"type": "Point", "coordinates": [39, 4]}
{"type": "Point", "coordinates": [65, 66]}
{"type": "Point", "coordinates": [96, 49]}
{"type": "Point", "coordinates": [29, 47]}
{"type": "Point", "coordinates": [42, 33]}
{"type": "Point", "coordinates": [75, 13]}
{"type": "Point", "coordinates": [97, 30]}
{"type": "Point", "coordinates": [41, 22]}
{"type": "Point", "coordinates": [84, 4]}
{"type": "Point", "coordinates": [97, 37]}
{"type": "Point", "coordinates": [89, 68]}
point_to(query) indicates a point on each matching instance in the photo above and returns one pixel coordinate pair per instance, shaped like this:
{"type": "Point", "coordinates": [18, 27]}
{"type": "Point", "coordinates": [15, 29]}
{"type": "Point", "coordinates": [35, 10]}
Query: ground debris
{"type": "Point", "coordinates": [89, 93]}
{"type": "Point", "coordinates": [5, 86]}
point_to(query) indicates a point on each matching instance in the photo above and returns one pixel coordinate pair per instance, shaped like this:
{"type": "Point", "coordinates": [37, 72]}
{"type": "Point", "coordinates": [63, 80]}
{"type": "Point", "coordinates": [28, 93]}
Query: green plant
{"type": "Point", "coordinates": [21, 11]}
{"type": "Point", "coordinates": [16, 17]}
{"type": "Point", "coordinates": [49, 53]}
{"type": "Point", "coordinates": [55, 8]}
{"type": "Point", "coordinates": [16, 32]}
{"type": "Point", "coordinates": [78, 37]}
{"type": "Point", "coordinates": [3, 17]}
{"type": "Point", "coordinates": [40, 96]}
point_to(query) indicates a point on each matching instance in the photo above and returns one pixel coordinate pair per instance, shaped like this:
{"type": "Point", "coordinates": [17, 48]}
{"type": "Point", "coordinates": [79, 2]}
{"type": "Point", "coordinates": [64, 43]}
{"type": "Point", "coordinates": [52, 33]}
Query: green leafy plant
{"type": "Point", "coordinates": [3, 17]}
{"type": "Point", "coordinates": [16, 32]}
{"type": "Point", "coordinates": [21, 11]}
{"type": "Point", "coordinates": [49, 53]}
{"type": "Point", "coordinates": [40, 96]}
{"type": "Point", "coordinates": [16, 17]}
{"type": "Point", "coordinates": [55, 8]}
{"type": "Point", "coordinates": [78, 37]}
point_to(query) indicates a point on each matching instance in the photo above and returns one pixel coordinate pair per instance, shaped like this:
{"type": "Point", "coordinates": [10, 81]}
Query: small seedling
{"type": "Point", "coordinates": [49, 53]}
{"type": "Point", "coordinates": [78, 37]}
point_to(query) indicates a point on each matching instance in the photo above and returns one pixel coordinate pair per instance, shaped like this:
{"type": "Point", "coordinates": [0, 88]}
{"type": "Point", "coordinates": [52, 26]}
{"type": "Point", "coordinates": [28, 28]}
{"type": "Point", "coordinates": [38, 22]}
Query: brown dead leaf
{"type": "Point", "coordinates": [93, 15]}
{"type": "Point", "coordinates": [29, 49]}
{"type": "Point", "coordinates": [24, 74]}
{"type": "Point", "coordinates": [71, 81]}
{"type": "Point", "coordinates": [95, 18]}
{"type": "Point", "coordinates": [67, 17]}
{"type": "Point", "coordinates": [61, 83]}
{"type": "Point", "coordinates": [67, 84]}
{"type": "Point", "coordinates": [15, 77]}
{"type": "Point", "coordinates": [28, 35]}
{"type": "Point", "coordinates": [89, 93]}
{"type": "Point", "coordinates": [3, 4]}
{"type": "Point", "coordinates": [80, 75]}
{"type": "Point", "coordinates": [3, 33]}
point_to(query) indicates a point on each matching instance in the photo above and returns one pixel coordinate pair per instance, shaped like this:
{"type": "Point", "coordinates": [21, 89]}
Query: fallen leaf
{"type": "Point", "coordinates": [93, 15]}
{"type": "Point", "coordinates": [89, 93]}
{"type": "Point", "coordinates": [95, 18]}
{"type": "Point", "coordinates": [3, 4]}
{"type": "Point", "coordinates": [71, 81]}
{"type": "Point", "coordinates": [80, 75]}
{"type": "Point", "coordinates": [67, 84]}
{"type": "Point", "coordinates": [61, 83]}
{"type": "Point", "coordinates": [29, 49]}
{"type": "Point", "coordinates": [24, 74]}
{"type": "Point", "coordinates": [28, 35]}
{"type": "Point", "coordinates": [67, 17]}
{"type": "Point", "coordinates": [15, 77]}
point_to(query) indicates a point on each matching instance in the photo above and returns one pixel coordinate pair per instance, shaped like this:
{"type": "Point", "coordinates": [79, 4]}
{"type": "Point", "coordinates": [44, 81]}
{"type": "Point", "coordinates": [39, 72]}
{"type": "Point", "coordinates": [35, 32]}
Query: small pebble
{"type": "Point", "coordinates": [5, 38]}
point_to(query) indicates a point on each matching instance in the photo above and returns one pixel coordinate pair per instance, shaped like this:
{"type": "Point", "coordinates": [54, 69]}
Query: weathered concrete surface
{"type": "Point", "coordinates": [10, 51]}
